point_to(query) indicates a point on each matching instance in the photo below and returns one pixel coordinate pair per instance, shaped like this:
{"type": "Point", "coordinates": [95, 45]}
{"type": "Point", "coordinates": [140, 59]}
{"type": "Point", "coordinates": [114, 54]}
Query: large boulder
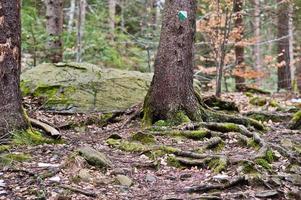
{"type": "Point", "coordinates": [74, 87]}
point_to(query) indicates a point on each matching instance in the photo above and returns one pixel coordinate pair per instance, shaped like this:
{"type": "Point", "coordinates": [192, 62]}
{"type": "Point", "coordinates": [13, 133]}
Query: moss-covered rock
{"type": "Point", "coordinates": [94, 157]}
{"type": "Point", "coordinates": [258, 101]}
{"type": "Point", "coordinates": [143, 138]}
{"type": "Point", "coordinates": [31, 137]}
{"type": "Point", "coordinates": [84, 87]}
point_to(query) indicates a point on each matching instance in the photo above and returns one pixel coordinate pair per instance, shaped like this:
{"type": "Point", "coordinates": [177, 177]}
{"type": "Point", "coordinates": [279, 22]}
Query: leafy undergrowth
{"type": "Point", "coordinates": [156, 163]}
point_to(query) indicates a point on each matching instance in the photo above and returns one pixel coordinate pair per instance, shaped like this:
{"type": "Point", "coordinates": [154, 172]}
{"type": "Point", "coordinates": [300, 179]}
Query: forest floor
{"type": "Point", "coordinates": [142, 170]}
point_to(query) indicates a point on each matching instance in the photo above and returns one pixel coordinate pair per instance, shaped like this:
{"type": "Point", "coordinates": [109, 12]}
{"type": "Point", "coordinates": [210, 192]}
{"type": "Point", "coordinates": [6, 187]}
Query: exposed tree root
{"type": "Point", "coordinates": [240, 180]}
{"type": "Point", "coordinates": [79, 190]}
{"type": "Point", "coordinates": [266, 116]}
{"type": "Point", "coordinates": [47, 128]}
{"type": "Point", "coordinates": [213, 101]}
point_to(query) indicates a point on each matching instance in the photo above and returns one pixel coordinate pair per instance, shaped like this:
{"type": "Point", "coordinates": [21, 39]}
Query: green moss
{"type": "Point", "coordinates": [143, 138]}
{"type": "Point", "coordinates": [181, 118]}
{"type": "Point", "coordinates": [258, 101]}
{"type": "Point", "coordinates": [219, 147]}
{"type": "Point", "coordinates": [273, 103]}
{"type": "Point", "coordinates": [269, 156]}
{"type": "Point", "coordinates": [297, 148]}
{"type": "Point", "coordinates": [172, 161]}
{"type": "Point", "coordinates": [197, 134]}
{"type": "Point", "coordinates": [264, 163]}
{"type": "Point", "coordinates": [217, 164]}
{"type": "Point", "coordinates": [127, 146]}
{"type": "Point", "coordinates": [103, 119]}
{"type": "Point", "coordinates": [251, 143]}
{"type": "Point", "coordinates": [4, 148]}
{"type": "Point", "coordinates": [231, 127]}
{"type": "Point", "coordinates": [161, 123]}
{"type": "Point", "coordinates": [24, 88]}
{"type": "Point", "coordinates": [7, 159]}
{"type": "Point", "coordinates": [248, 168]}
{"type": "Point", "coordinates": [249, 94]}
{"type": "Point", "coordinates": [168, 149]}
{"type": "Point", "coordinates": [31, 137]}
{"type": "Point", "coordinates": [297, 116]}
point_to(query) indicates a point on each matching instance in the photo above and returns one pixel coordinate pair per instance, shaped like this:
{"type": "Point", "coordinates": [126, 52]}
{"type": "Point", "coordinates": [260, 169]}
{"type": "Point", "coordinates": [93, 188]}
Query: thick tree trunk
{"type": "Point", "coordinates": [11, 113]}
{"type": "Point", "coordinates": [54, 27]}
{"type": "Point", "coordinates": [172, 91]}
{"type": "Point", "coordinates": [239, 48]}
{"type": "Point", "coordinates": [284, 71]}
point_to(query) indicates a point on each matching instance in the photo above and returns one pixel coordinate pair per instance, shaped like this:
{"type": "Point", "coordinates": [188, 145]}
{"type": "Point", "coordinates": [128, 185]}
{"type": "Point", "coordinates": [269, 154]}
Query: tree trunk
{"type": "Point", "coordinates": [112, 12]}
{"type": "Point", "coordinates": [171, 90]}
{"type": "Point", "coordinates": [54, 27]}
{"type": "Point", "coordinates": [291, 43]}
{"type": "Point", "coordinates": [11, 113]}
{"type": "Point", "coordinates": [257, 51]}
{"type": "Point", "coordinates": [284, 71]}
{"type": "Point", "coordinates": [80, 28]}
{"type": "Point", "coordinates": [239, 48]}
{"type": "Point", "coordinates": [71, 16]}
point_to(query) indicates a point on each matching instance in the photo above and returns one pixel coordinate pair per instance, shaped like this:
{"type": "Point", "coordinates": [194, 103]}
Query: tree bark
{"type": "Point", "coordinates": [112, 12]}
{"type": "Point", "coordinates": [172, 89]}
{"type": "Point", "coordinates": [257, 50]}
{"type": "Point", "coordinates": [71, 16]}
{"type": "Point", "coordinates": [11, 112]}
{"type": "Point", "coordinates": [54, 27]}
{"type": "Point", "coordinates": [284, 71]}
{"type": "Point", "coordinates": [80, 28]}
{"type": "Point", "coordinates": [239, 48]}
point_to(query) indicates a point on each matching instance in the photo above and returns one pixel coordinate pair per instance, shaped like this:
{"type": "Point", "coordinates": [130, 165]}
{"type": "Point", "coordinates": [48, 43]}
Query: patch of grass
{"type": "Point", "coordinates": [251, 143]}
{"type": "Point", "coordinates": [8, 159]}
{"type": "Point", "coordinates": [172, 161]}
{"type": "Point", "coordinates": [269, 156]}
{"type": "Point", "coordinates": [31, 137]}
{"type": "Point", "coordinates": [263, 163]}
{"type": "Point", "coordinates": [217, 165]}
{"type": "Point", "coordinates": [4, 148]}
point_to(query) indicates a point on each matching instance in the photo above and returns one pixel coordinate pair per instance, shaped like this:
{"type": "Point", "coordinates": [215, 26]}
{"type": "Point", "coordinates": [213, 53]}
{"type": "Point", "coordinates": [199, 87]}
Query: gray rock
{"type": "Point", "coordinates": [83, 87]}
{"type": "Point", "coordinates": [94, 157]}
{"type": "Point", "coordinates": [84, 175]}
{"type": "Point", "coordinates": [151, 179]}
{"type": "Point", "coordinates": [266, 194]}
{"type": "Point", "coordinates": [124, 180]}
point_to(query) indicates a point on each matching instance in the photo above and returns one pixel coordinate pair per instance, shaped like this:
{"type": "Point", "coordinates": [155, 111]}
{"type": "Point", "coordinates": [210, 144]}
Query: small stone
{"type": "Point", "coordinates": [287, 143]}
{"type": "Point", "coordinates": [117, 171]}
{"type": "Point", "coordinates": [295, 179]}
{"type": "Point", "coordinates": [185, 176]}
{"type": "Point", "coordinates": [266, 194]}
{"type": "Point", "coordinates": [150, 178]}
{"type": "Point", "coordinates": [124, 180]}
{"type": "Point", "coordinates": [46, 165]}
{"type": "Point", "coordinates": [2, 184]}
{"type": "Point", "coordinates": [84, 175]}
{"type": "Point", "coordinates": [221, 177]}
{"type": "Point", "coordinates": [94, 157]}
{"type": "Point", "coordinates": [55, 179]}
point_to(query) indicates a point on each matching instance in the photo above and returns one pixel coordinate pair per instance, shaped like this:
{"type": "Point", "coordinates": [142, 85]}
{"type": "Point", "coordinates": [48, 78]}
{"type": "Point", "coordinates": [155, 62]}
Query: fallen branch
{"type": "Point", "coordinates": [88, 193]}
{"type": "Point", "coordinates": [47, 128]}
{"type": "Point", "coordinates": [207, 187]}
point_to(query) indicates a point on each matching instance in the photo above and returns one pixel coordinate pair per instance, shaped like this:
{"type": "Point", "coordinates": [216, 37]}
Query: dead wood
{"type": "Point", "coordinates": [88, 193]}
{"type": "Point", "coordinates": [54, 133]}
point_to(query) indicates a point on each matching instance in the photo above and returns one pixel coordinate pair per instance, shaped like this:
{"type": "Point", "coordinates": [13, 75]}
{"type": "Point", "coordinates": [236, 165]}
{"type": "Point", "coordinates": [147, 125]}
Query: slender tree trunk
{"type": "Point", "coordinates": [112, 12]}
{"type": "Point", "coordinates": [11, 113]}
{"type": "Point", "coordinates": [291, 43]}
{"type": "Point", "coordinates": [171, 90]}
{"type": "Point", "coordinates": [80, 28]}
{"type": "Point", "coordinates": [257, 50]}
{"type": "Point", "coordinates": [54, 27]}
{"type": "Point", "coordinates": [239, 48]}
{"type": "Point", "coordinates": [71, 16]}
{"type": "Point", "coordinates": [284, 71]}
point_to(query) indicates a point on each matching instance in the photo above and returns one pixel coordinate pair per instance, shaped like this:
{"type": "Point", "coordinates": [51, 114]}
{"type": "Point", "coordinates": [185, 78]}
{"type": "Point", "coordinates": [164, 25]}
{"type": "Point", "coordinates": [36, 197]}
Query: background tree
{"type": "Point", "coordinates": [284, 70]}
{"type": "Point", "coordinates": [54, 27]}
{"type": "Point", "coordinates": [239, 47]}
{"type": "Point", "coordinates": [171, 90]}
{"type": "Point", "coordinates": [11, 113]}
